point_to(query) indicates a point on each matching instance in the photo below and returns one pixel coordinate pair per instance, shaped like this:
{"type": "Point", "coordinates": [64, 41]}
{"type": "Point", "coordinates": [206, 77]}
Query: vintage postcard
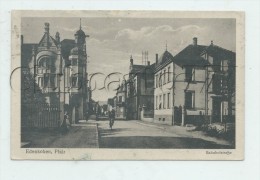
{"type": "Point", "coordinates": [127, 85]}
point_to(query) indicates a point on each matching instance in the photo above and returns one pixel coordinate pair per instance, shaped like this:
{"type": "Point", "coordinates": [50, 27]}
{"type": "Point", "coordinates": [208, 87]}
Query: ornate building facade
{"type": "Point", "coordinates": [60, 70]}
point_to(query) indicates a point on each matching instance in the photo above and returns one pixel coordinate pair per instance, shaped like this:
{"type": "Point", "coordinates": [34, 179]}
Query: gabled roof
{"type": "Point", "coordinates": [148, 69]}
{"type": "Point", "coordinates": [190, 56]}
{"type": "Point", "coordinates": [52, 41]}
{"type": "Point", "coordinates": [163, 61]}
{"type": "Point", "coordinates": [137, 68]}
{"type": "Point", "coordinates": [220, 52]}
{"type": "Point", "coordinates": [166, 56]}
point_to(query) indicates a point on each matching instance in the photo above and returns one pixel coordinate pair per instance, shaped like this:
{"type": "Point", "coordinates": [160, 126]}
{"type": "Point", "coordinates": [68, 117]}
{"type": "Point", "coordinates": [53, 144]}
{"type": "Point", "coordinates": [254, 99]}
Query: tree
{"type": "Point", "coordinates": [30, 91]}
{"type": "Point", "coordinates": [31, 96]}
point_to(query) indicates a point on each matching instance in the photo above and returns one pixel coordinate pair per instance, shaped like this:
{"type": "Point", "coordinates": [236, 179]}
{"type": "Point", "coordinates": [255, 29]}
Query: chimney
{"type": "Point", "coordinates": [57, 37]}
{"type": "Point", "coordinates": [131, 60]}
{"type": "Point", "coordinates": [148, 63]}
{"type": "Point", "coordinates": [47, 27]}
{"type": "Point", "coordinates": [156, 58]}
{"type": "Point", "coordinates": [195, 41]}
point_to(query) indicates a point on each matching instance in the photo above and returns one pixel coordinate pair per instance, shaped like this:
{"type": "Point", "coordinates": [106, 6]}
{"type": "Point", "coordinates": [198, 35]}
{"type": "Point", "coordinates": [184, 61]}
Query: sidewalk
{"type": "Point", "coordinates": [83, 135]}
{"type": "Point", "coordinates": [185, 132]}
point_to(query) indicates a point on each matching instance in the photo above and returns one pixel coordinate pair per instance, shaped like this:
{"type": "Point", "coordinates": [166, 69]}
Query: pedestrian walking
{"type": "Point", "coordinates": [66, 123]}
{"type": "Point", "coordinates": [111, 118]}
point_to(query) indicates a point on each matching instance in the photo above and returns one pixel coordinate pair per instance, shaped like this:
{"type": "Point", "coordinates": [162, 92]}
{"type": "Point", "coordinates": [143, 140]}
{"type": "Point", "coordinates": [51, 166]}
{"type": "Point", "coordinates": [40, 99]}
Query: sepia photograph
{"type": "Point", "coordinates": [129, 81]}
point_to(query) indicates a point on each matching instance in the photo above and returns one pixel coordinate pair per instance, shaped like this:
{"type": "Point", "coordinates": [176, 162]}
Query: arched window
{"type": "Point", "coordinates": [44, 62]}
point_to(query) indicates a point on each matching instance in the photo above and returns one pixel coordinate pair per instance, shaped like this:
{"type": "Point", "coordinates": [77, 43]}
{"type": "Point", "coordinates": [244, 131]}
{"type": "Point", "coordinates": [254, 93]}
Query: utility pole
{"type": "Point", "coordinates": [173, 87]}
{"type": "Point", "coordinates": [206, 89]}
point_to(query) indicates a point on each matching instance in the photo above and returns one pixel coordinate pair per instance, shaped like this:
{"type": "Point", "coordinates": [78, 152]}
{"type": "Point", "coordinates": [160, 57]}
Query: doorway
{"type": "Point", "coordinates": [177, 115]}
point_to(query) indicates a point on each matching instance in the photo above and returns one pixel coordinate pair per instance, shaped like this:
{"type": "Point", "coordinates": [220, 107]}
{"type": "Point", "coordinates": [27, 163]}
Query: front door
{"type": "Point", "coordinates": [177, 115]}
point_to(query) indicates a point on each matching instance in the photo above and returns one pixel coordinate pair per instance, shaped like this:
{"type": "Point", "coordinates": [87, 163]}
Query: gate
{"type": "Point", "coordinates": [40, 115]}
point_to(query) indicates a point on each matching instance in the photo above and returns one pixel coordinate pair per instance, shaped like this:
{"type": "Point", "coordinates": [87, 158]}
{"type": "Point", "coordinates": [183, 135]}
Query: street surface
{"type": "Point", "coordinates": [135, 134]}
{"type": "Point", "coordinates": [125, 134]}
{"type": "Point", "coordinates": [83, 135]}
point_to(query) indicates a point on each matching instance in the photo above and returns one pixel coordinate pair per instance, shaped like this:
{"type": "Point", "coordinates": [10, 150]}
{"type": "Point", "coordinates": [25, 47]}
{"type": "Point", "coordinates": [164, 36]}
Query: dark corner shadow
{"type": "Point", "coordinates": [147, 142]}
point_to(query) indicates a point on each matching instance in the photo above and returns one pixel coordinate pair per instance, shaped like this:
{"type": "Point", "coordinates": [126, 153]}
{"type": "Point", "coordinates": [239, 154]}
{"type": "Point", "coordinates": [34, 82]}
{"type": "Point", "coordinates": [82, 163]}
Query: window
{"type": "Point", "coordinates": [210, 58]}
{"type": "Point", "coordinates": [160, 84]}
{"type": "Point", "coordinates": [164, 76]}
{"type": "Point", "coordinates": [52, 80]}
{"type": "Point", "coordinates": [216, 65]}
{"type": "Point", "coordinates": [156, 102]}
{"type": "Point", "coordinates": [74, 62]}
{"type": "Point", "coordinates": [160, 102]}
{"type": "Point", "coordinates": [40, 81]}
{"type": "Point", "coordinates": [74, 81]}
{"type": "Point", "coordinates": [156, 80]}
{"type": "Point", "coordinates": [189, 74]}
{"type": "Point", "coordinates": [169, 72]}
{"type": "Point", "coordinates": [168, 100]}
{"type": "Point", "coordinates": [44, 62]}
{"type": "Point", "coordinates": [46, 80]}
{"type": "Point", "coordinates": [224, 65]}
{"type": "Point", "coordinates": [80, 81]}
{"type": "Point", "coordinates": [216, 83]}
{"type": "Point", "coordinates": [120, 99]}
{"type": "Point", "coordinates": [190, 99]}
{"type": "Point", "coordinates": [135, 86]}
{"type": "Point", "coordinates": [164, 102]}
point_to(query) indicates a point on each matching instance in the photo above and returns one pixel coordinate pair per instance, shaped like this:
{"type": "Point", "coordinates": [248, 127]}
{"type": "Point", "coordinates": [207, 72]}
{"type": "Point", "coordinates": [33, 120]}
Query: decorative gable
{"type": "Point", "coordinates": [47, 41]}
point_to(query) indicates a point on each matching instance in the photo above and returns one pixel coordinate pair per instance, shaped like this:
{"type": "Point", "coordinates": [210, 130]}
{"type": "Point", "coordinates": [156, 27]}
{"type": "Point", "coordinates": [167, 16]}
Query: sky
{"type": "Point", "coordinates": [112, 41]}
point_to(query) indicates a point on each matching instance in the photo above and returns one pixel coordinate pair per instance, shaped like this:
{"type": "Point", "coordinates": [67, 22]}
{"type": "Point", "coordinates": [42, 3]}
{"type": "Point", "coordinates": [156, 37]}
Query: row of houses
{"type": "Point", "coordinates": [195, 86]}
